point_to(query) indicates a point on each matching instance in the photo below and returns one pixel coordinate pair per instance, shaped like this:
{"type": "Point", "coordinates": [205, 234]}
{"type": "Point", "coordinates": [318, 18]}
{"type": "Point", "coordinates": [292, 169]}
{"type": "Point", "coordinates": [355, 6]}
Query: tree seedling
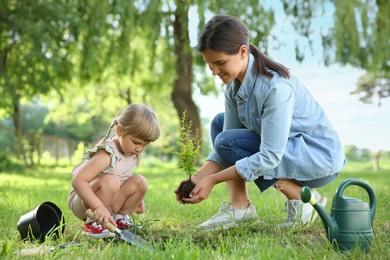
{"type": "Point", "coordinates": [189, 148]}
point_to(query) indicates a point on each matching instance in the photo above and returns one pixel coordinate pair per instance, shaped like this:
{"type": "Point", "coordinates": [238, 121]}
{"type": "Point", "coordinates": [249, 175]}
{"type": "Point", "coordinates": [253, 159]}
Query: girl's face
{"type": "Point", "coordinates": [128, 144]}
{"type": "Point", "coordinates": [227, 67]}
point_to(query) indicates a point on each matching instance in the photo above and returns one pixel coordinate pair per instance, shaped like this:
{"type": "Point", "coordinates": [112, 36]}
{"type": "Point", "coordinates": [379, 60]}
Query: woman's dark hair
{"type": "Point", "coordinates": [224, 33]}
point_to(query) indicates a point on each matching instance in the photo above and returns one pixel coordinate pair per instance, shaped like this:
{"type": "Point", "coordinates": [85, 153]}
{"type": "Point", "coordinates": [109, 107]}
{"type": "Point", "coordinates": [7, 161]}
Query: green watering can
{"type": "Point", "coordinates": [350, 220]}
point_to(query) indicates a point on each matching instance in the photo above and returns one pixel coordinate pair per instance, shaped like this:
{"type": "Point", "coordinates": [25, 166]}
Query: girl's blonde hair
{"type": "Point", "coordinates": [137, 120]}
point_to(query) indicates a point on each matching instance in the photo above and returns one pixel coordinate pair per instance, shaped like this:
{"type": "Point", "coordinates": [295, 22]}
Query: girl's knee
{"type": "Point", "coordinates": [109, 182]}
{"type": "Point", "coordinates": [141, 183]}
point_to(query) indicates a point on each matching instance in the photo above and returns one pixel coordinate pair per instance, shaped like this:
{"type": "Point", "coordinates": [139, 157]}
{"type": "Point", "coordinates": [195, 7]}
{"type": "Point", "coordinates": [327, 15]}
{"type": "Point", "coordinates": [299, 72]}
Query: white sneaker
{"type": "Point", "coordinates": [299, 212]}
{"type": "Point", "coordinates": [228, 217]}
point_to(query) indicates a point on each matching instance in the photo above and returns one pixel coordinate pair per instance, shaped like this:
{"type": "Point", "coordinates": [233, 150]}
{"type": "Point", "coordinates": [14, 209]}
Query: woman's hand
{"type": "Point", "coordinates": [201, 191]}
{"type": "Point", "coordinates": [204, 181]}
{"type": "Point", "coordinates": [195, 179]}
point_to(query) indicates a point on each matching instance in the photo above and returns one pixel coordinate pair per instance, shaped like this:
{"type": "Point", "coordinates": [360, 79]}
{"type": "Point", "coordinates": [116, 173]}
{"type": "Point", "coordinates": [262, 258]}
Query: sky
{"type": "Point", "coordinates": [363, 125]}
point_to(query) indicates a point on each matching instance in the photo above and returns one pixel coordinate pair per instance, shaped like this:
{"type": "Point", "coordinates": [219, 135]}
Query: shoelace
{"type": "Point", "coordinates": [291, 211]}
{"type": "Point", "coordinates": [97, 226]}
{"type": "Point", "coordinates": [225, 206]}
{"type": "Point", "coordinates": [127, 223]}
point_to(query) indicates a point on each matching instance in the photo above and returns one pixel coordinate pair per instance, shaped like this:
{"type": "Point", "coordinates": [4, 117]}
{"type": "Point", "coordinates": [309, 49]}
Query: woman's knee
{"type": "Point", "coordinates": [218, 120]}
{"type": "Point", "coordinates": [220, 141]}
{"type": "Point", "coordinates": [216, 126]}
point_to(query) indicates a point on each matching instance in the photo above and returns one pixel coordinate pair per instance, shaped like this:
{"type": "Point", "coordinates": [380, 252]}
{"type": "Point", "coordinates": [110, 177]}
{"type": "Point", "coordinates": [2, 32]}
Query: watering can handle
{"type": "Point", "coordinates": [364, 185]}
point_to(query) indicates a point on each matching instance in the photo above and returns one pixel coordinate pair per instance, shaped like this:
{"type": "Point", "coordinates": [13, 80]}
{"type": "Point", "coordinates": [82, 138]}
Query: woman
{"type": "Point", "coordinates": [272, 132]}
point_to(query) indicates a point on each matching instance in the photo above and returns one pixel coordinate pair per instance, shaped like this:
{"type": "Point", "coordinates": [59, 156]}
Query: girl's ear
{"type": "Point", "coordinates": [119, 130]}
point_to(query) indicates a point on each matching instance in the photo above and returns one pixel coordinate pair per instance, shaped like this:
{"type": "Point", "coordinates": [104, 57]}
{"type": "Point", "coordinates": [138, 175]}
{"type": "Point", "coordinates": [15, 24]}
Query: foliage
{"type": "Point", "coordinates": [189, 146]}
{"type": "Point", "coordinates": [38, 133]}
{"type": "Point", "coordinates": [353, 153]}
{"type": "Point", "coordinates": [365, 44]}
{"type": "Point", "coordinates": [81, 61]}
{"type": "Point", "coordinates": [34, 49]}
{"type": "Point", "coordinates": [7, 161]}
{"type": "Point", "coordinates": [171, 227]}
{"type": "Point", "coordinates": [96, 57]}
{"type": "Point", "coordinates": [359, 36]}
{"type": "Point", "coordinates": [372, 87]}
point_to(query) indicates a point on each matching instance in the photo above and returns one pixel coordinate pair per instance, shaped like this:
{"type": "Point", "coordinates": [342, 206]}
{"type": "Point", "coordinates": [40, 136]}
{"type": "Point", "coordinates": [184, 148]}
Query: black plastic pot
{"type": "Point", "coordinates": [46, 219]}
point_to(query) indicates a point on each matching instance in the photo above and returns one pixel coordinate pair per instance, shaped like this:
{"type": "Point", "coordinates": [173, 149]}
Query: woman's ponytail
{"type": "Point", "coordinates": [263, 64]}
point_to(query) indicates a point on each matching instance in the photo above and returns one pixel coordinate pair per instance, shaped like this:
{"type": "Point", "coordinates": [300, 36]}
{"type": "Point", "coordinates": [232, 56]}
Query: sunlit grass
{"type": "Point", "coordinates": [171, 227]}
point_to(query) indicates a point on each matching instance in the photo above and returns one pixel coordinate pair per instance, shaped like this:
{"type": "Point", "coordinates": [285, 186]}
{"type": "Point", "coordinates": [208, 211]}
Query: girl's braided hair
{"type": "Point", "coordinates": [137, 120]}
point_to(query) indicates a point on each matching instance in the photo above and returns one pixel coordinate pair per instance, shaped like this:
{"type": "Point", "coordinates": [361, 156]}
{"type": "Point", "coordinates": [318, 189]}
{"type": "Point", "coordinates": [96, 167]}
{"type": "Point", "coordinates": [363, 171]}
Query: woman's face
{"type": "Point", "coordinates": [227, 67]}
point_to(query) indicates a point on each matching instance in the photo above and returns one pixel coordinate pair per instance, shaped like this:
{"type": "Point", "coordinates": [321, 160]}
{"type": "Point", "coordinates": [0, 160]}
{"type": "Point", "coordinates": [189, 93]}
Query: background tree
{"type": "Point", "coordinates": [259, 19]}
{"type": "Point", "coordinates": [34, 53]}
{"type": "Point", "coordinates": [99, 56]}
{"type": "Point", "coordinates": [359, 36]}
{"type": "Point", "coordinates": [364, 45]}
{"type": "Point", "coordinates": [89, 43]}
{"type": "Point", "coordinates": [158, 51]}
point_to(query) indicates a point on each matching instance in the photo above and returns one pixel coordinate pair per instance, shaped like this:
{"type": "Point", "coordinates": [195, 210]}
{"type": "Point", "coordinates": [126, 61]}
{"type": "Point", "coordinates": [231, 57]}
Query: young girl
{"type": "Point", "coordinates": [273, 132]}
{"type": "Point", "coordinates": [104, 182]}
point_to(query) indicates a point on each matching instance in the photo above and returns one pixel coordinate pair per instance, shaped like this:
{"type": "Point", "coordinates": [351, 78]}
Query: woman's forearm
{"type": "Point", "coordinates": [225, 175]}
{"type": "Point", "coordinates": [208, 168]}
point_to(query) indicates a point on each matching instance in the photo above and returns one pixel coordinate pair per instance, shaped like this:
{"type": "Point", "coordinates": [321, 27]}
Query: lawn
{"type": "Point", "coordinates": [171, 227]}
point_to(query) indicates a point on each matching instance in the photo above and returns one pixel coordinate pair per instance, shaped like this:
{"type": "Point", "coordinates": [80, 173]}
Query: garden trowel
{"type": "Point", "coordinates": [125, 235]}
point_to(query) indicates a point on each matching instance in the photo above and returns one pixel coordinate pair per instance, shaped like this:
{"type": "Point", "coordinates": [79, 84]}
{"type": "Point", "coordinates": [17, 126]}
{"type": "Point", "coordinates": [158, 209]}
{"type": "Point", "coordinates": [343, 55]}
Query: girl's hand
{"type": "Point", "coordinates": [201, 191]}
{"type": "Point", "coordinates": [141, 208]}
{"type": "Point", "coordinates": [102, 216]}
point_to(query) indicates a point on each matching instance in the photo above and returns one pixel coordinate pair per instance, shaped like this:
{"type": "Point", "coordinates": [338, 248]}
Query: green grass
{"type": "Point", "coordinates": [171, 227]}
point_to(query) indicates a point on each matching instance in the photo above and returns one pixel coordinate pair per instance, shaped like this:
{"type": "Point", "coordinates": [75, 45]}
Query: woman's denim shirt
{"type": "Point", "coordinates": [297, 139]}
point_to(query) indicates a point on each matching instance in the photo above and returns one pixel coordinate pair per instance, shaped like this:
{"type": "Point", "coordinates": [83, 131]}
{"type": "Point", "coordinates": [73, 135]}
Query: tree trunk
{"type": "Point", "coordinates": [70, 149]}
{"type": "Point", "coordinates": [30, 146]}
{"type": "Point", "coordinates": [38, 146]}
{"type": "Point", "coordinates": [182, 89]}
{"type": "Point", "coordinates": [18, 129]}
{"type": "Point", "coordinates": [57, 149]}
{"type": "Point", "coordinates": [375, 161]}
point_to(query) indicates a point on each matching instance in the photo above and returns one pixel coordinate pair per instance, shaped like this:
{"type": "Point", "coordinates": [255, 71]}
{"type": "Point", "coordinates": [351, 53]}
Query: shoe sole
{"type": "Point", "coordinates": [225, 226]}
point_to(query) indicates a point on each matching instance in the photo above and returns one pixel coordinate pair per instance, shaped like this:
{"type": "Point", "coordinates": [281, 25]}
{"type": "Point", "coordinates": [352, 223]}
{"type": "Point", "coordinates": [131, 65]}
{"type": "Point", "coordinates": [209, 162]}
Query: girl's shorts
{"type": "Point", "coordinates": [76, 205]}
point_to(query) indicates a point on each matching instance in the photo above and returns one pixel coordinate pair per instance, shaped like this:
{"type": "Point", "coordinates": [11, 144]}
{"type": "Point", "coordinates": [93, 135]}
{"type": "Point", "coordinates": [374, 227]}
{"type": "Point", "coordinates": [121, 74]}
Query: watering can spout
{"type": "Point", "coordinates": [329, 225]}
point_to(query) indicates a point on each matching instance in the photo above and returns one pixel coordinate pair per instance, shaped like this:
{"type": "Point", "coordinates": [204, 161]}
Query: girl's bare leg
{"type": "Point", "coordinates": [106, 188]}
{"type": "Point", "coordinates": [130, 195]}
